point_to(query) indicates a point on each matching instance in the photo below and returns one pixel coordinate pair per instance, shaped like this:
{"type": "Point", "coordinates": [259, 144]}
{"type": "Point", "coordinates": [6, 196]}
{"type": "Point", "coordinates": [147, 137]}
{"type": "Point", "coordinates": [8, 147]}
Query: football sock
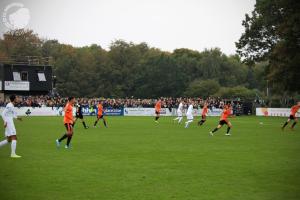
{"type": "Point", "coordinates": [13, 147]}
{"type": "Point", "coordinates": [156, 118]}
{"type": "Point", "coordinates": [187, 123]}
{"type": "Point", "coordinates": [95, 122]}
{"type": "Point", "coordinates": [4, 142]}
{"type": "Point", "coordinates": [215, 130]}
{"type": "Point", "coordinates": [294, 124]}
{"type": "Point", "coordinates": [69, 140]}
{"type": "Point", "coordinates": [63, 137]}
{"type": "Point", "coordinates": [286, 123]}
{"type": "Point", "coordinates": [84, 125]}
{"type": "Point", "coordinates": [104, 122]}
{"type": "Point", "coordinates": [228, 129]}
{"type": "Point", "coordinates": [180, 119]}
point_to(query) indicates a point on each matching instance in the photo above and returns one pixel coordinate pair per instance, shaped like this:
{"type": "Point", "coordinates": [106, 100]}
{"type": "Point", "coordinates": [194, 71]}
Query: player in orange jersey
{"type": "Point", "coordinates": [224, 120]}
{"type": "Point", "coordinates": [157, 110]}
{"type": "Point", "coordinates": [294, 110]}
{"type": "Point", "coordinates": [204, 114]}
{"type": "Point", "coordinates": [68, 122]}
{"type": "Point", "coordinates": [100, 114]}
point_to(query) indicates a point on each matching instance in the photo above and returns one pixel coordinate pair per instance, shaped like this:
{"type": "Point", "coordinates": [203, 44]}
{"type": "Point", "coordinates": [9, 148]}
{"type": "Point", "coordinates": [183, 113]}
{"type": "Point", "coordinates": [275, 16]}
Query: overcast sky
{"type": "Point", "coordinates": [165, 24]}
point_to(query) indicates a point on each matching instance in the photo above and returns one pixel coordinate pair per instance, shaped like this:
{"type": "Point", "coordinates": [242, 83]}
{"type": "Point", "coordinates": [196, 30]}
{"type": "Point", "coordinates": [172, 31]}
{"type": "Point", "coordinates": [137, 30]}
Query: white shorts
{"type": "Point", "coordinates": [10, 130]}
{"type": "Point", "coordinates": [190, 117]}
{"type": "Point", "coordinates": [179, 113]}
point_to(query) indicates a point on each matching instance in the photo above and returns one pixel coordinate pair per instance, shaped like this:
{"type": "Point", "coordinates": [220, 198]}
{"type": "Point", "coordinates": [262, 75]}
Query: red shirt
{"type": "Point", "coordinates": [68, 118]}
{"type": "Point", "coordinates": [205, 110]}
{"type": "Point", "coordinates": [158, 106]}
{"type": "Point", "coordinates": [294, 110]}
{"type": "Point", "coordinates": [225, 114]}
{"type": "Point", "coordinates": [100, 109]}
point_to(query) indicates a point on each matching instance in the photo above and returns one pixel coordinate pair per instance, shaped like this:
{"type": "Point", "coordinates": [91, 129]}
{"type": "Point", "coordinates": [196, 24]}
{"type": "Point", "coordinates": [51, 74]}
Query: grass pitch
{"type": "Point", "coordinates": [136, 159]}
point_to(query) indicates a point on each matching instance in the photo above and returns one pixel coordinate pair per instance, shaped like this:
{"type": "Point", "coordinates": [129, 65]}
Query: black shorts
{"type": "Point", "coordinates": [69, 127]}
{"type": "Point", "coordinates": [99, 116]}
{"type": "Point", "coordinates": [222, 122]}
{"type": "Point", "coordinates": [292, 117]}
{"type": "Point", "coordinates": [157, 112]}
{"type": "Point", "coordinates": [80, 116]}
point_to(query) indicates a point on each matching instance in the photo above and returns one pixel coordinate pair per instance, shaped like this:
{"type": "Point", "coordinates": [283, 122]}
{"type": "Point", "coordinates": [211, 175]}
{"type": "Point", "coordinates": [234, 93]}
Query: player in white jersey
{"type": "Point", "coordinates": [179, 112]}
{"type": "Point", "coordinates": [189, 114]}
{"type": "Point", "coordinates": [8, 116]}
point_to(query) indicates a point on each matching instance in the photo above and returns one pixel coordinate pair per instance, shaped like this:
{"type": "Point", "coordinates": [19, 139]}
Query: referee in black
{"type": "Point", "coordinates": [79, 115]}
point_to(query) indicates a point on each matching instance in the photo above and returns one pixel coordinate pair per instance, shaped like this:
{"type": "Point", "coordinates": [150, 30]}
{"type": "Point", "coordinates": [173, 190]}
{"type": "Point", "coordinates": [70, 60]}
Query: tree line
{"type": "Point", "coordinates": [129, 69]}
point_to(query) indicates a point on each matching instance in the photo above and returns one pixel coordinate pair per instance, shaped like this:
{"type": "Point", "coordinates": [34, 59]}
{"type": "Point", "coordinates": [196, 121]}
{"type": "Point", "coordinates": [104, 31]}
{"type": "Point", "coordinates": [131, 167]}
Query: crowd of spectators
{"type": "Point", "coordinates": [168, 102]}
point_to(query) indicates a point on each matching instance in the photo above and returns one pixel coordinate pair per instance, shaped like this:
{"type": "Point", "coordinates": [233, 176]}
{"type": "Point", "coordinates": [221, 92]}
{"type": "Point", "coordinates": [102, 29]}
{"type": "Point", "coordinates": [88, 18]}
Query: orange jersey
{"type": "Point", "coordinates": [294, 110]}
{"type": "Point", "coordinates": [204, 111]}
{"type": "Point", "coordinates": [225, 114]}
{"type": "Point", "coordinates": [68, 118]}
{"type": "Point", "coordinates": [100, 109]}
{"type": "Point", "coordinates": [158, 106]}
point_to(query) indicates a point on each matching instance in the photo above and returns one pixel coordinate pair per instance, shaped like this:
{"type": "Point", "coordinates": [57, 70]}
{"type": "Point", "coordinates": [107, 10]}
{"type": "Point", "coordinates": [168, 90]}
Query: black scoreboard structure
{"type": "Point", "coordinates": [31, 76]}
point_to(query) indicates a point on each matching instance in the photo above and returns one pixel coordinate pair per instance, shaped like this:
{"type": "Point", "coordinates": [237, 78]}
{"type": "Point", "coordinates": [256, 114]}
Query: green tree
{"type": "Point", "coordinates": [21, 42]}
{"type": "Point", "coordinates": [202, 88]}
{"type": "Point", "coordinates": [236, 92]}
{"type": "Point", "coordinates": [159, 76]}
{"type": "Point", "coordinates": [272, 34]}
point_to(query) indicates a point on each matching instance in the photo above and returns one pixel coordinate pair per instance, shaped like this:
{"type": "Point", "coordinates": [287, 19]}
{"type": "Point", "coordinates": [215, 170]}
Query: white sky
{"type": "Point", "coordinates": [165, 24]}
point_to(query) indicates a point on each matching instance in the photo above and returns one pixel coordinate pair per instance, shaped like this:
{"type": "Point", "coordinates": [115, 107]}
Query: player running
{"type": "Point", "coordinates": [8, 116]}
{"type": "Point", "coordinates": [224, 120]}
{"type": "Point", "coordinates": [68, 122]}
{"type": "Point", "coordinates": [294, 110]}
{"type": "Point", "coordinates": [79, 115]}
{"type": "Point", "coordinates": [204, 114]}
{"type": "Point", "coordinates": [157, 110]}
{"type": "Point", "coordinates": [189, 114]}
{"type": "Point", "coordinates": [179, 112]}
{"type": "Point", "coordinates": [100, 115]}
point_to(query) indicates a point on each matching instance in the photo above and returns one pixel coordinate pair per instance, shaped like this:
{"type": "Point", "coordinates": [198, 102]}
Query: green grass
{"type": "Point", "coordinates": [136, 159]}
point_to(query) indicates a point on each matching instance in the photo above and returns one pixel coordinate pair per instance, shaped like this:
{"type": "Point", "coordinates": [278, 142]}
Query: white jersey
{"type": "Point", "coordinates": [8, 116]}
{"type": "Point", "coordinates": [189, 113]}
{"type": "Point", "coordinates": [180, 109]}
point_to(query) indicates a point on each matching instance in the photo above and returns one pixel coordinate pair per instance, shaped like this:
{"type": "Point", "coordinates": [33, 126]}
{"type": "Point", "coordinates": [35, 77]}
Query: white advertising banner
{"type": "Point", "coordinates": [16, 85]}
{"type": "Point", "coordinates": [49, 111]}
{"type": "Point", "coordinates": [145, 112]}
{"type": "Point", "coordinates": [43, 111]}
{"type": "Point", "coordinates": [166, 112]}
{"type": "Point", "coordinates": [0, 85]}
{"type": "Point", "coordinates": [276, 112]}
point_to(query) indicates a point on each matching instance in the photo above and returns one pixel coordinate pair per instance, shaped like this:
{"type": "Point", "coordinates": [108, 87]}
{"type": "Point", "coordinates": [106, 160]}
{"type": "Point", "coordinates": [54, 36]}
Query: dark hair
{"type": "Point", "coordinates": [70, 98]}
{"type": "Point", "coordinates": [12, 97]}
